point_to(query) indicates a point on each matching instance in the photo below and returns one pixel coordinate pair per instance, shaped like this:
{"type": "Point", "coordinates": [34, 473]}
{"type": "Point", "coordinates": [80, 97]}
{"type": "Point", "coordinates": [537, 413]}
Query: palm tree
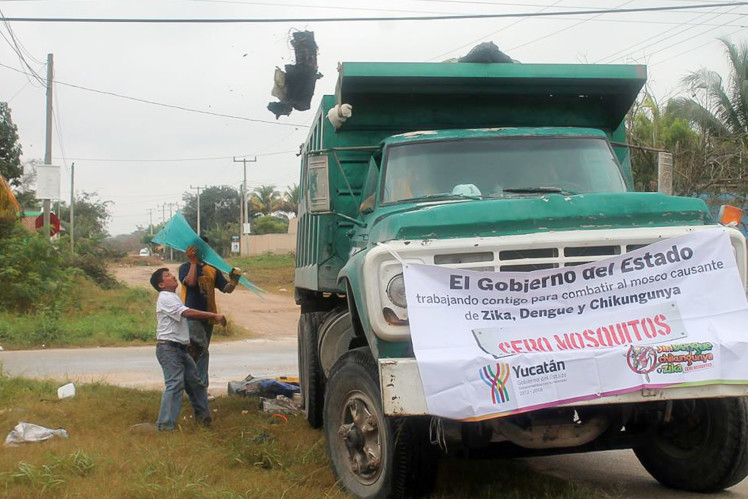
{"type": "Point", "coordinates": [290, 203]}
{"type": "Point", "coordinates": [718, 110]}
{"type": "Point", "coordinates": [265, 200]}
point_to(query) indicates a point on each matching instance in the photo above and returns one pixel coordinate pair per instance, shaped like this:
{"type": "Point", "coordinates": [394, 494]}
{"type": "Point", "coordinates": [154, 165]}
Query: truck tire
{"type": "Point", "coordinates": [703, 449]}
{"type": "Point", "coordinates": [311, 381]}
{"type": "Point", "coordinates": [373, 456]}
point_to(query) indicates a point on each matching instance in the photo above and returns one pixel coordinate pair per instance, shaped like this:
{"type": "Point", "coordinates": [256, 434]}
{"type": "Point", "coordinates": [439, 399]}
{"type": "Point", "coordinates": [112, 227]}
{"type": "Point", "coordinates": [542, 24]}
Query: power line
{"type": "Point", "coordinates": [689, 50]}
{"type": "Point", "coordinates": [560, 30]}
{"type": "Point", "coordinates": [17, 47]}
{"type": "Point", "coordinates": [681, 41]}
{"type": "Point", "coordinates": [161, 104]}
{"type": "Point", "coordinates": [174, 160]}
{"type": "Point", "coordinates": [487, 35]}
{"type": "Point", "coordinates": [664, 36]}
{"type": "Point", "coordinates": [447, 17]}
{"type": "Point", "coordinates": [328, 7]}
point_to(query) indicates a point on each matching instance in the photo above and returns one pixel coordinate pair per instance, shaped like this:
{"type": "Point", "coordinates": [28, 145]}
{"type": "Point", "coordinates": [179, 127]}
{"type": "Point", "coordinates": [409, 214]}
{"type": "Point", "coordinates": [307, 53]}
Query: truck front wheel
{"type": "Point", "coordinates": [372, 455]}
{"type": "Point", "coordinates": [703, 448]}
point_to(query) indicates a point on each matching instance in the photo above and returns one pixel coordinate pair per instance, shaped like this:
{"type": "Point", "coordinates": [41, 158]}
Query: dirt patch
{"type": "Point", "coordinates": [272, 316]}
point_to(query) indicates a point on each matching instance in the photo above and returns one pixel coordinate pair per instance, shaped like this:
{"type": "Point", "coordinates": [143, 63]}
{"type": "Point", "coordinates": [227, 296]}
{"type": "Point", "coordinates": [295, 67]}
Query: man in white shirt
{"type": "Point", "coordinates": [172, 339]}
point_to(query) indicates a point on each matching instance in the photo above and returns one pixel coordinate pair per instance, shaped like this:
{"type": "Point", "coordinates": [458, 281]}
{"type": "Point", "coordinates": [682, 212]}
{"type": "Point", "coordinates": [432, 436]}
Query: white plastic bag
{"type": "Point", "coordinates": [66, 391]}
{"type": "Point", "coordinates": [29, 432]}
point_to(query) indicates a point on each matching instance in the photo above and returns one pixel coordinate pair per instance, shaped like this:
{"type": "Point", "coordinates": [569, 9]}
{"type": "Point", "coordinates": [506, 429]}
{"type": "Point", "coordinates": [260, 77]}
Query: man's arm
{"type": "Point", "coordinates": [191, 313]}
{"type": "Point", "coordinates": [191, 278]}
{"type": "Point", "coordinates": [228, 286]}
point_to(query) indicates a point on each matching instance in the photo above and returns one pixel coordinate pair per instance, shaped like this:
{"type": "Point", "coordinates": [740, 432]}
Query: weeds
{"type": "Point", "coordinates": [272, 272]}
{"type": "Point", "coordinates": [43, 478]}
{"type": "Point", "coordinates": [244, 455]}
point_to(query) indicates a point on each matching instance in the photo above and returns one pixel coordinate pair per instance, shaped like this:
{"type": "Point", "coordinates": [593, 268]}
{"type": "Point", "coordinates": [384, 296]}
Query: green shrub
{"type": "Point", "coordinates": [92, 258]}
{"type": "Point", "coordinates": [32, 273]}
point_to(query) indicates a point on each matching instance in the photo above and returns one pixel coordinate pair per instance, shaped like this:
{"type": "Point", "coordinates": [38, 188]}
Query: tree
{"type": "Point", "coordinates": [10, 149]}
{"type": "Point", "coordinates": [652, 126]}
{"type": "Point", "coordinates": [91, 217]}
{"type": "Point", "coordinates": [290, 203]}
{"type": "Point", "coordinates": [265, 200]}
{"type": "Point", "coordinates": [719, 113]}
{"type": "Point", "coordinates": [24, 189]}
{"type": "Point", "coordinates": [219, 206]}
{"type": "Point", "coordinates": [269, 224]}
{"type": "Point", "coordinates": [220, 237]}
{"type": "Point", "coordinates": [715, 109]}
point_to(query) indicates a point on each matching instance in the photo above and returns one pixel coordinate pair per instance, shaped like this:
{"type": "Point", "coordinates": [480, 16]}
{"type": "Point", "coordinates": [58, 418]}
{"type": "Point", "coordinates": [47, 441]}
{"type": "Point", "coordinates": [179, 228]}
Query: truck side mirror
{"type": "Point", "coordinates": [319, 184]}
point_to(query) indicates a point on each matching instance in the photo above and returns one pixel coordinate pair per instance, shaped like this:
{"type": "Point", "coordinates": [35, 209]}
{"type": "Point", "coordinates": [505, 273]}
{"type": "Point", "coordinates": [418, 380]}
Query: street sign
{"type": "Point", "coordinates": [54, 223]}
{"type": "Point", "coordinates": [47, 182]}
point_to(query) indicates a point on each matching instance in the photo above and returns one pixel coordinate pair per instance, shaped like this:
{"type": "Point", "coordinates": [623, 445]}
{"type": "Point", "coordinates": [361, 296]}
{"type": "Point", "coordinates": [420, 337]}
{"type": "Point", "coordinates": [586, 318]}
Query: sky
{"type": "Point", "coordinates": [143, 156]}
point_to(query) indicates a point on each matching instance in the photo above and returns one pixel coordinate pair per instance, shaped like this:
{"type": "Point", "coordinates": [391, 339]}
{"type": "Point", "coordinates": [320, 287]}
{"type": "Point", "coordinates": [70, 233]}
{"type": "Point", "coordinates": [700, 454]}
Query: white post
{"type": "Point", "coordinates": [665, 173]}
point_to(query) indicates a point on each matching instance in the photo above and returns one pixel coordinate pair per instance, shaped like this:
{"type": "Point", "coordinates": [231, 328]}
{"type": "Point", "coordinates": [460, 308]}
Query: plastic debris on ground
{"type": "Point", "coordinates": [279, 404]}
{"type": "Point", "coordinates": [29, 432]}
{"type": "Point", "coordinates": [263, 387]}
{"type": "Point", "coordinates": [66, 391]}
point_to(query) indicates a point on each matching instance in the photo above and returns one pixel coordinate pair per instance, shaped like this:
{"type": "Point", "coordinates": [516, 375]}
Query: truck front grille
{"type": "Point", "coordinates": [538, 258]}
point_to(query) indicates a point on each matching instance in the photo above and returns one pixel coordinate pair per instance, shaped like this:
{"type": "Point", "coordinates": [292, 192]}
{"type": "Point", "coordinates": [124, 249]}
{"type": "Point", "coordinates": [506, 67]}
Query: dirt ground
{"type": "Point", "coordinates": [270, 317]}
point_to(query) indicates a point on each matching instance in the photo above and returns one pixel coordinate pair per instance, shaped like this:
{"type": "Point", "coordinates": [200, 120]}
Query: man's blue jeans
{"type": "Point", "coordinates": [180, 374]}
{"type": "Point", "coordinates": [200, 334]}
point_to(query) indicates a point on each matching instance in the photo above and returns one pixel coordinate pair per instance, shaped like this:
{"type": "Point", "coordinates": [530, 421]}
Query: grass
{"type": "Point", "coordinates": [119, 316]}
{"type": "Point", "coordinates": [270, 271]}
{"type": "Point", "coordinates": [246, 453]}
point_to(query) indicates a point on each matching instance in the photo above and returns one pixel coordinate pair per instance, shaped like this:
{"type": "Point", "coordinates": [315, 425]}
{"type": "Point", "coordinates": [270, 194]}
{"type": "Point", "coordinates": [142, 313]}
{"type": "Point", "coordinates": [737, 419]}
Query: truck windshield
{"type": "Point", "coordinates": [499, 167]}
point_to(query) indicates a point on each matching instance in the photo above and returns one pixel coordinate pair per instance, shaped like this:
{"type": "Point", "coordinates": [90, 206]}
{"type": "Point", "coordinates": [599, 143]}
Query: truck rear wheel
{"type": "Point", "coordinates": [311, 380]}
{"type": "Point", "coordinates": [372, 455]}
{"type": "Point", "coordinates": [704, 448]}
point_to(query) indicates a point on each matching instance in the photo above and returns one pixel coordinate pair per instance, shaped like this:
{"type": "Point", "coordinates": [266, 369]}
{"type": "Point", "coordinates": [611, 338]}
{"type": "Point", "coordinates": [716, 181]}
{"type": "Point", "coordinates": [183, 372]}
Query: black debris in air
{"type": "Point", "coordinates": [486, 52]}
{"type": "Point", "coordinates": [294, 87]}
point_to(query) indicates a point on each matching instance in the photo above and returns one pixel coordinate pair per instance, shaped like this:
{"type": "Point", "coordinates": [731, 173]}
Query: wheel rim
{"type": "Point", "coordinates": [361, 438]}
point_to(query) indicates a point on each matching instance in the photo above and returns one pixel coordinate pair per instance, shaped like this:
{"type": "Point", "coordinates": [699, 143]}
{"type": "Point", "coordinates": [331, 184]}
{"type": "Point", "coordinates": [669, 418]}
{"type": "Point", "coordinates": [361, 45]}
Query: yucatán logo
{"type": "Point", "coordinates": [496, 378]}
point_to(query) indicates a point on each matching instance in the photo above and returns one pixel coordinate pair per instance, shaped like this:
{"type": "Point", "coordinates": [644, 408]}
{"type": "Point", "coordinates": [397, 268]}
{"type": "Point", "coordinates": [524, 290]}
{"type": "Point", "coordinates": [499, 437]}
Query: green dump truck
{"type": "Point", "coordinates": [415, 156]}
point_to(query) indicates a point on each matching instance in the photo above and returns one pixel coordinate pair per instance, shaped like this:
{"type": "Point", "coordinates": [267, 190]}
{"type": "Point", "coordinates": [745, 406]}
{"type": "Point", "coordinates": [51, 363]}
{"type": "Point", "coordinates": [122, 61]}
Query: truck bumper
{"type": "Point", "coordinates": [403, 395]}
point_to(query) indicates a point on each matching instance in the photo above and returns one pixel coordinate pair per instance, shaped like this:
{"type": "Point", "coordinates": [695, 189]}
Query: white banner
{"type": "Point", "coordinates": [490, 343]}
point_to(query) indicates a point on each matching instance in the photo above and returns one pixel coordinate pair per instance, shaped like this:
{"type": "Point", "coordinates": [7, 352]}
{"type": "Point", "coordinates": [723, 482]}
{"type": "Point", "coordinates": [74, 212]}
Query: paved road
{"type": "Point", "coordinates": [138, 367]}
{"type": "Point", "coordinates": [619, 474]}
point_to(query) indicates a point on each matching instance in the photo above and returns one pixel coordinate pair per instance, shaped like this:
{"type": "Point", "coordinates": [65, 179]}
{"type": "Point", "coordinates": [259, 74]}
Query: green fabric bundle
{"type": "Point", "coordinates": [178, 234]}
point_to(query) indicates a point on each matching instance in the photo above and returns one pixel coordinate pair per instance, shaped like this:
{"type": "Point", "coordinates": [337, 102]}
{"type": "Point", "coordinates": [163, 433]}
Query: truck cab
{"type": "Point", "coordinates": [491, 168]}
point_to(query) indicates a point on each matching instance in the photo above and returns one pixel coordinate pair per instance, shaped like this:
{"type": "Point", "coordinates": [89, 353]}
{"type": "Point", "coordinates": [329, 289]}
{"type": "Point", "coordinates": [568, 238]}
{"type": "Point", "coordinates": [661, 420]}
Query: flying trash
{"type": "Point", "coordinates": [178, 234]}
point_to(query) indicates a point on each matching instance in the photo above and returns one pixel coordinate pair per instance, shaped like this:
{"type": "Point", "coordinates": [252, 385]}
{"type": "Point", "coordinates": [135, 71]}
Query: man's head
{"type": "Point", "coordinates": [163, 280]}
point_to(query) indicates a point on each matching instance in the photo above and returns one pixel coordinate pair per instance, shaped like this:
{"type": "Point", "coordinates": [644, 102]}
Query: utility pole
{"type": "Point", "coordinates": [171, 250]}
{"type": "Point", "coordinates": [48, 142]}
{"type": "Point", "coordinates": [198, 206]}
{"type": "Point", "coordinates": [241, 217]}
{"type": "Point", "coordinates": [72, 207]}
{"type": "Point", "coordinates": [150, 213]}
{"type": "Point", "coordinates": [244, 212]}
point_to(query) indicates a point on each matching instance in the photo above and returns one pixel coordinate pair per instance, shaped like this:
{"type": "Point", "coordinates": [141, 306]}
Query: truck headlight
{"type": "Point", "coordinates": [396, 291]}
